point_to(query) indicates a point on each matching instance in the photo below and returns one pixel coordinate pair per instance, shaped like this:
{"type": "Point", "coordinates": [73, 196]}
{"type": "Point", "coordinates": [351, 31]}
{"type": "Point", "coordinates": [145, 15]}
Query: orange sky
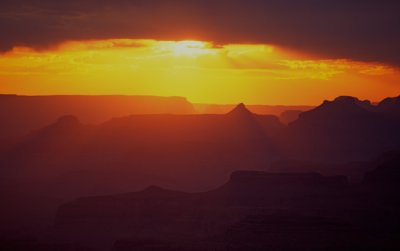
{"type": "Point", "coordinates": [201, 71]}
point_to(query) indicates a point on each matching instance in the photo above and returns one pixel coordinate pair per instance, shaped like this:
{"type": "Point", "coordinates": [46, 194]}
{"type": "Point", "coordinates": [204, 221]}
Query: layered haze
{"type": "Point", "coordinates": [196, 125]}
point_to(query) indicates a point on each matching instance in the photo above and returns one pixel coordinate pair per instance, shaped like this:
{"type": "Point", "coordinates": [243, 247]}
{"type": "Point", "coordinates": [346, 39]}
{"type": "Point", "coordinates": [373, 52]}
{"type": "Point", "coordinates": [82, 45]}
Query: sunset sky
{"type": "Point", "coordinates": [258, 52]}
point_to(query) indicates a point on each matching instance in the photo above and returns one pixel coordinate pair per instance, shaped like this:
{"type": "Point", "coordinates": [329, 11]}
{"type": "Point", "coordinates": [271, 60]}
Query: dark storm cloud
{"type": "Point", "coordinates": [356, 29]}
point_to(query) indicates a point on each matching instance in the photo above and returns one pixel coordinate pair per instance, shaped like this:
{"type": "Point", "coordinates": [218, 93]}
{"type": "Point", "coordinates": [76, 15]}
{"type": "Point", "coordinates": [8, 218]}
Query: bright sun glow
{"type": "Point", "coordinates": [189, 48]}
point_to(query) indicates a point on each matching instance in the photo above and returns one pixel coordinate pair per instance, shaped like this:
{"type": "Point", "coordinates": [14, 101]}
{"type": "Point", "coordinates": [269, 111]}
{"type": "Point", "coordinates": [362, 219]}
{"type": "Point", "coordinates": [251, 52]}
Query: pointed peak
{"type": "Point", "coordinates": [240, 109]}
{"type": "Point", "coordinates": [241, 106]}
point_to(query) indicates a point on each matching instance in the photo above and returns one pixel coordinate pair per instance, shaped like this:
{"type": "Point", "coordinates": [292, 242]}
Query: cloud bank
{"type": "Point", "coordinates": [364, 30]}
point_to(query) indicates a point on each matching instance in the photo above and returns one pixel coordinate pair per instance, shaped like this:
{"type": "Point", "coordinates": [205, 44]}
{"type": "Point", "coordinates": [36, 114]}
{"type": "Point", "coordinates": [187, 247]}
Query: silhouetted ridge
{"type": "Point", "coordinates": [348, 102]}
{"type": "Point", "coordinates": [251, 126]}
{"type": "Point", "coordinates": [390, 101]}
{"type": "Point", "coordinates": [340, 110]}
{"type": "Point", "coordinates": [240, 110]}
{"type": "Point", "coordinates": [350, 99]}
{"type": "Point", "coordinates": [345, 129]}
{"type": "Point", "coordinates": [26, 113]}
{"type": "Point", "coordinates": [390, 106]}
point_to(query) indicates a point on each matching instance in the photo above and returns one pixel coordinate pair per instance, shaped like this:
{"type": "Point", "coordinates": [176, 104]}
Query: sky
{"type": "Point", "coordinates": [220, 51]}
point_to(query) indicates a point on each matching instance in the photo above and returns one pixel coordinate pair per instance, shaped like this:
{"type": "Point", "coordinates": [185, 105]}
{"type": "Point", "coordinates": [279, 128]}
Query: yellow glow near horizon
{"type": "Point", "coordinates": [188, 48]}
{"type": "Point", "coordinates": [198, 70]}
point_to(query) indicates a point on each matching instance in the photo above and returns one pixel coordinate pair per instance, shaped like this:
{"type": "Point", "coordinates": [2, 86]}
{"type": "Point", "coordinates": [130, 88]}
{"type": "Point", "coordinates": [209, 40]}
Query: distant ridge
{"type": "Point", "coordinates": [241, 111]}
{"type": "Point", "coordinates": [26, 113]}
{"type": "Point", "coordinates": [343, 107]}
{"type": "Point", "coordinates": [257, 109]}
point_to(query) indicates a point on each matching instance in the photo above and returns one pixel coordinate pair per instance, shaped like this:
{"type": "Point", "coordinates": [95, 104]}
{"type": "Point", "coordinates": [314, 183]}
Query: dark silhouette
{"type": "Point", "coordinates": [341, 131]}
{"type": "Point", "coordinates": [72, 185]}
{"type": "Point", "coordinates": [390, 106]}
